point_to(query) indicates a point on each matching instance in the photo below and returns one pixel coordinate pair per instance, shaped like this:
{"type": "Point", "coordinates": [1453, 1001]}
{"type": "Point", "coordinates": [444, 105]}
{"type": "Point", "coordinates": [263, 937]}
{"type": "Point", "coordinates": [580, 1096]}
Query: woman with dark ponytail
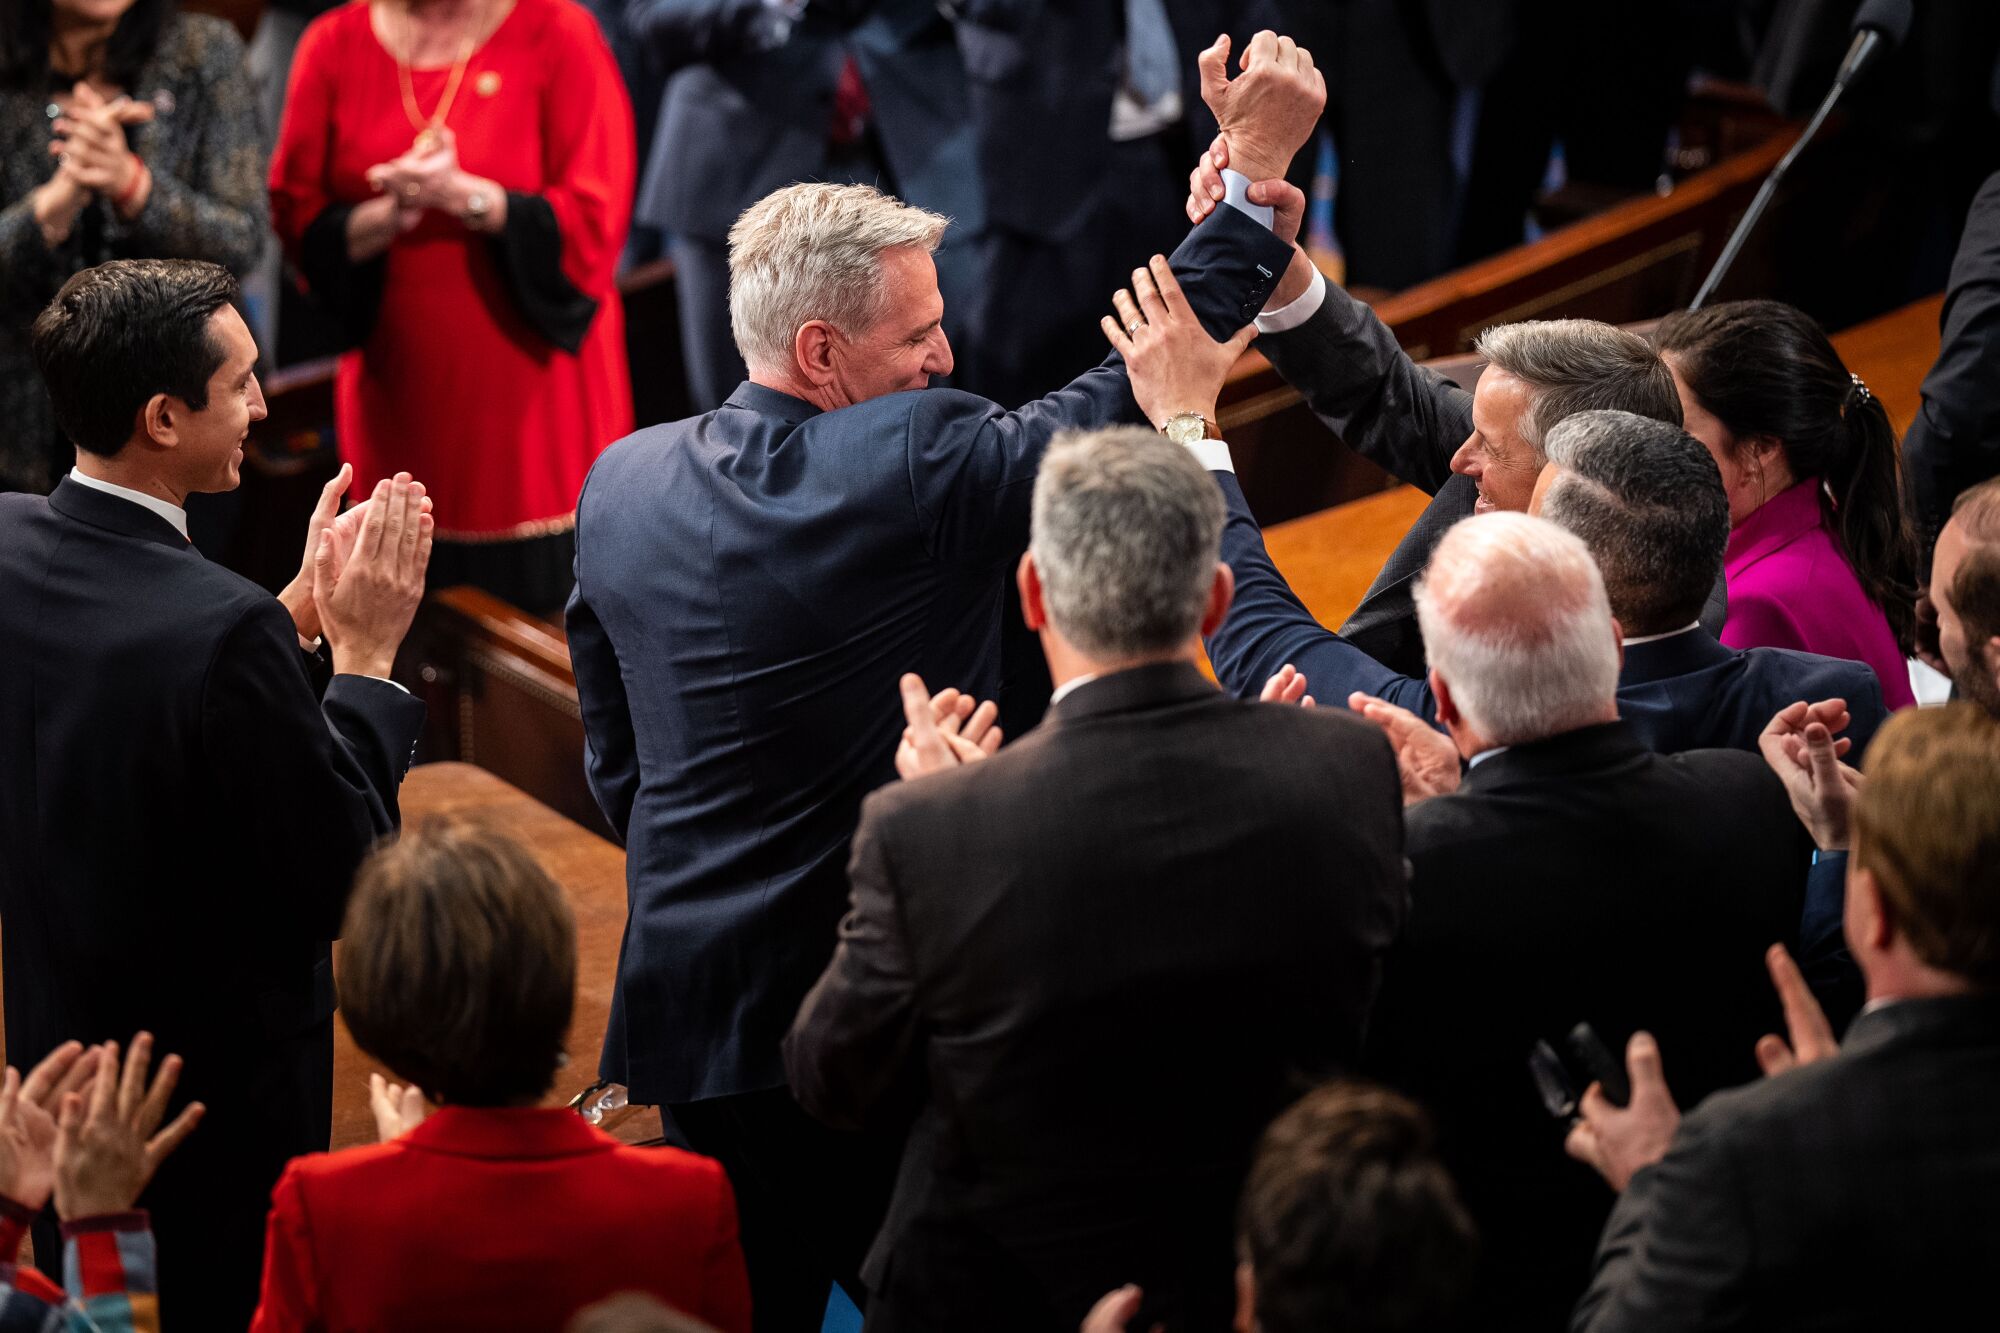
{"type": "Point", "coordinates": [1822, 552]}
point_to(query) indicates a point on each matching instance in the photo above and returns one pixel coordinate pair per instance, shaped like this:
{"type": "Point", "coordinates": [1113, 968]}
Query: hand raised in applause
{"type": "Point", "coordinates": [1287, 687]}
{"type": "Point", "coordinates": [327, 515]}
{"type": "Point", "coordinates": [397, 1109]}
{"type": "Point", "coordinates": [366, 607]}
{"type": "Point", "coordinates": [1114, 1312]}
{"type": "Point", "coordinates": [1800, 747]}
{"type": "Point", "coordinates": [1174, 365]}
{"type": "Point", "coordinates": [28, 1120]}
{"type": "Point", "coordinates": [1269, 111]}
{"type": "Point", "coordinates": [1622, 1140]}
{"type": "Point", "coordinates": [1809, 1037]}
{"type": "Point", "coordinates": [1425, 756]}
{"type": "Point", "coordinates": [422, 177]}
{"type": "Point", "coordinates": [92, 145]}
{"type": "Point", "coordinates": [943, 731]}
{"type": "Point", "coordinates": [106, 1144]}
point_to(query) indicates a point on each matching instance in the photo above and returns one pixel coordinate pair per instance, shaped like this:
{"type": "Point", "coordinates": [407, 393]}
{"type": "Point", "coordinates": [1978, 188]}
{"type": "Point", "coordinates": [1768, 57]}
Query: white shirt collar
{"type": "Point", "coordinates": [1653, 638]}
{"type": "Point", "coordinates": [173, 513]}
{"type": "Point", "coordinates": [1484, 755]}
{"type": "Point", "coordinates": [1069, 687]}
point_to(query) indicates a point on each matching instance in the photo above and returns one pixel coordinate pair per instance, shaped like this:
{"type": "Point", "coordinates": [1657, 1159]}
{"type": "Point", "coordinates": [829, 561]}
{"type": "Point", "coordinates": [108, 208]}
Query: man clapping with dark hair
{"type": "Point", "coordinates": [182, 803]}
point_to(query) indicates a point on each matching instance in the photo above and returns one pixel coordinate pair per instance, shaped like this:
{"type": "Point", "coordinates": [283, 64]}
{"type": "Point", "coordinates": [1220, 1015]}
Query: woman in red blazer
{"type": "Point", "coordinates": [458, 972]}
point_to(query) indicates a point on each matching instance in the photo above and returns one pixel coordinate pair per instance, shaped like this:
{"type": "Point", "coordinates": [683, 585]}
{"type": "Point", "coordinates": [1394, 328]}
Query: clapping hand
{"type": "Point", "coordinates": [327, 516]}
{"type": "Point", "coordinates": [397, 1109]}
{"type": "Point", "coordinates": [1173, 364]}
{"type": "Point", "coordinates": [106, 1147]}
{"type": "Point", "coordinates": [943, 731]}
{"type": "Point", "coordinates": [1800, 747]}
{"type": "Point", "coordinates": [1425, 756]}
{"type": "Point", "coordinates": [1268, 112]}
{"type": "Point", "coordinates": [1810, 1036]}
{"type": "Point", "coordinates": [365, 606]}
{"type": "Point", "coordinates": [1115, 1311]}
{"type": "Point", "coordinates": [423, 176]}
{"type": "Point", "coordinates": [1287, 687]}
{"type": "Point", "coordinates": [90, 140]}
{"type": "Point", "coordinates": [28, 1123]}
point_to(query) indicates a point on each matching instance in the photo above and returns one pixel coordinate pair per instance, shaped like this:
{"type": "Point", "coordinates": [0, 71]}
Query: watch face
{"type": "Point", "coordinates": [1185, 429]}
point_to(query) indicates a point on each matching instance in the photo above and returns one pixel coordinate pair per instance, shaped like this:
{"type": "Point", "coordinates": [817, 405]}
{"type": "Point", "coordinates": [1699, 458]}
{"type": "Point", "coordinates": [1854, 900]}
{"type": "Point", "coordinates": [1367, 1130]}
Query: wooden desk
{"type": "Point", "coordinates": [1331, 557]}
{"type": "Point", "coordinates": [591, 872]}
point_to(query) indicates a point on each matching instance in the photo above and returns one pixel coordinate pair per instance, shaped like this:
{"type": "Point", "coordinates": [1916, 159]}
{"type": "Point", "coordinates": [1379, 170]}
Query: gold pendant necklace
{"type": "Point", "coordinates": [427, 127]}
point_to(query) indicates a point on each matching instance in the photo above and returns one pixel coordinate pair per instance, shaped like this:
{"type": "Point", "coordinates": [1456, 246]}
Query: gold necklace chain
{"type": "Point", "coordinates": [407, 84]}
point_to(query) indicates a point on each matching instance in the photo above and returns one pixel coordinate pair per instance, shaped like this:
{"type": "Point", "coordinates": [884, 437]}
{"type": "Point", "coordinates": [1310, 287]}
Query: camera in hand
{"type": "Point", "coordinates": [1561, 1079]}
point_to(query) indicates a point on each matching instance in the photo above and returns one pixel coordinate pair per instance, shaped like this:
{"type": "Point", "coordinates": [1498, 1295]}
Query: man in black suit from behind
{"type": "Point", "coordinates": [1854, 1187]}
{"type": "Point", "coordinates": [1574, 876]}
{"type": "Point", "coordinates": [181, 806]}
{"type": "Point", "coordinates": [1097, 963]}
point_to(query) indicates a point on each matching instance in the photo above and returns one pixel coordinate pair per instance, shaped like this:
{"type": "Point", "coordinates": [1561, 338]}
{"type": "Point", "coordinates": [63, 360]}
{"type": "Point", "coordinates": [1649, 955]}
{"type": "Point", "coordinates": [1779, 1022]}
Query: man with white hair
{"type": "Point", "coordinates": [750, 585]}
{"type": "Point", "coordinates": [1575, 876]}
{"type": "Point", "coordinates": [1097, 960]}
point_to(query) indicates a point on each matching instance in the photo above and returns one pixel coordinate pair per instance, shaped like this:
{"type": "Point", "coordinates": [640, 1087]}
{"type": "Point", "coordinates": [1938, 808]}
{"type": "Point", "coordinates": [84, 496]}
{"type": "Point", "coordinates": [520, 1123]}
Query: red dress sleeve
{"type": "Point", "coordinates": [590, 154]}
{"type": "Point", "coordinates": [289, 1302]}
{"type": "Point", "coordinates": [300, 166]}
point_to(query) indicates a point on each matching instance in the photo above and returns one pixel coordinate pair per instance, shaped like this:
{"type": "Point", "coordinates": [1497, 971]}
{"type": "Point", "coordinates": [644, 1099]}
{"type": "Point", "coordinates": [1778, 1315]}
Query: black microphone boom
{"type": "Point", "coordinates": [1879, 27]}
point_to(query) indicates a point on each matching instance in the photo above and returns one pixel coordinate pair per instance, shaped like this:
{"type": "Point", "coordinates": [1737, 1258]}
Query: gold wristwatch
{"type": "Point", "coordinates": [1189, 428]}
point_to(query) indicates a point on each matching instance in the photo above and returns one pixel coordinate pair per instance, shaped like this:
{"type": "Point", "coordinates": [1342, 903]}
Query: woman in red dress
{"type": "Point", "coordinates": [453, 178]}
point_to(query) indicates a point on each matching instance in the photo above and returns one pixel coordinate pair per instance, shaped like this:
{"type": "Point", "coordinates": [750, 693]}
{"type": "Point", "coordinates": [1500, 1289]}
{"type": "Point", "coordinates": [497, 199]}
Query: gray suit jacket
{"type": "Point", "coordinates": [1862, 1192]}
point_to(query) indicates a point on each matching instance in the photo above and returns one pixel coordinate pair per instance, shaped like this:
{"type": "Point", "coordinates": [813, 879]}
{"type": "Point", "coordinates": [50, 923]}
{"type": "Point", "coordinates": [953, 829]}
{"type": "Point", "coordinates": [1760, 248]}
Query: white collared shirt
{"type": "Point", "coordinates": [1069, 687]}
{"type": "Point", "coordinates": [1655, 638]}
{"type": "Point", "coordinates": [173, 513]}
{"type": "Point", "coordinates": [1484, 755]}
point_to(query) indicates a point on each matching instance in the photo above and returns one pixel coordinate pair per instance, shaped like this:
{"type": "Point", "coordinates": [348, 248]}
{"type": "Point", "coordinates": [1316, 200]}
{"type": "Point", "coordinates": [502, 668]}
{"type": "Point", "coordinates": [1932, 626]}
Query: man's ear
{"type": "Point", "coordinates": [1618, 637]}
{"type": "Point", "coordinates": [812, 348]}
{"type": "Point", "coordinates": [159, 420]}
{"type": "Point", "coordinates": [1029, 580]}
{"type": "Point", "coordinates": [1246, 1298]}
{"type": "Point", "coordinates": [1221, 592]}
{"type": "Point", "coordinates": [1446, 705]}
{"type": "Point", "coordinates": [1870, 922]}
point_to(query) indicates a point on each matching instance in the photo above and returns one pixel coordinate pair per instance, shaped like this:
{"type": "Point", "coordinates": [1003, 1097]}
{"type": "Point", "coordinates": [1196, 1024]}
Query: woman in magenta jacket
{"type": "Point", "coordinates": [494, 1212]}
{"type": "Point", "coordinates": [1822, 552]}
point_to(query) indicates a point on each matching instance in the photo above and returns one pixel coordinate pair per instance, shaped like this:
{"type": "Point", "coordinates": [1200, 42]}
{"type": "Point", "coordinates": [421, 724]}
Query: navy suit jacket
{"type": "Point", "coordinates": [1687, 692]}
{"type": "Point", "coordinates": [1056, 67]}
{"type": "Point", "coordinates": [750, 584]}
{"type": "Point", "coordinates": [741, 120]}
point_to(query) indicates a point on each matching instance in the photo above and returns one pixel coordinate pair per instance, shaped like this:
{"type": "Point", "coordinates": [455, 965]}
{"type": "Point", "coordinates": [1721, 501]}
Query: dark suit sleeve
{"type": "Point", "coordinates": [313, 784]}
{"type": "Point", "coordinates": [972, 472]}
{"type": "Point", "coordinates": [610, 750]}
{"type": "Point", "coordinates": [697, 31]}
{"type": "Point", "coordinates": [1356, 378]}
{"type": "Point", "coordinates": [1268, 626]}
{"type": "Point", "coordinates": [851, 1056]}
{"type": "Point", "coordinates": [1954, 443]}
{"type": "Point", "coordinates": [1676, 1251]}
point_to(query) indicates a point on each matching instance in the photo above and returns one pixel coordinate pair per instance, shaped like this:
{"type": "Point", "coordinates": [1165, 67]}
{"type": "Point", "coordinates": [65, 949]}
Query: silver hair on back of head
{"type": "Point", "coordinates": [1574, 365]}
{"type": "Point", "coordinates": [1516, 623]}
{"type": "Point", "coordinates": [1126, 533]}
{"type": "Point", "coordinates": [814, 251]}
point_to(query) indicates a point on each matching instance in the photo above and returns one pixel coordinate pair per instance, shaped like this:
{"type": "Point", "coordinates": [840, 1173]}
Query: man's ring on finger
{"type": "Point", "coordinates": [1132, 329]}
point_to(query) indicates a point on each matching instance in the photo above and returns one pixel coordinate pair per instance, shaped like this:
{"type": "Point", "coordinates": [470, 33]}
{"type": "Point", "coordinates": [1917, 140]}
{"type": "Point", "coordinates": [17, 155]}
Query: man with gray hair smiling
{"type": "Point", "coordinates": [750, 584]}
{"type": "Point", "coordinates": [1574, 876]}
{"type": "Point", "coordinates": [1093, 963]}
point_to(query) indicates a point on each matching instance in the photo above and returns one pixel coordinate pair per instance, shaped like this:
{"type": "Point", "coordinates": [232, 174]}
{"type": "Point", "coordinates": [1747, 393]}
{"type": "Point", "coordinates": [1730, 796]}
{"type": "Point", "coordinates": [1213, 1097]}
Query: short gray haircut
{"type": "Point", "coordinates": [1575, 365]}
{"type": "Point", "coordinates": [1126, 533]}
{"type": "Point", "coordinates": [1647, 499]}
{"type": "Point", "coordinates": [1516, 622]}
{"type": "Point", "coordinates": [814, 251]}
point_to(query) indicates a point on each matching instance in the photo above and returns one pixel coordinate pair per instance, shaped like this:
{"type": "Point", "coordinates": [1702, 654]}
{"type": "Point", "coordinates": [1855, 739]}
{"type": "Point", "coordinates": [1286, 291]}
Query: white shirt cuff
{"type": "Point", "coordinates": [1213, 455]}
{"type": "Point", "coordinates": [1288, 317]}
{"type": "Point", "coordinates": [1237, 195]}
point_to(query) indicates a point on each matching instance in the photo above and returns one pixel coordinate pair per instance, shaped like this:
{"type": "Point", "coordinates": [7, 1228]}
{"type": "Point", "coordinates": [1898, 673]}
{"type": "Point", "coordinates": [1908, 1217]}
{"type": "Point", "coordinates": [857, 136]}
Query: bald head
{"type": "Point", "coordinates": [1518, 629]}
